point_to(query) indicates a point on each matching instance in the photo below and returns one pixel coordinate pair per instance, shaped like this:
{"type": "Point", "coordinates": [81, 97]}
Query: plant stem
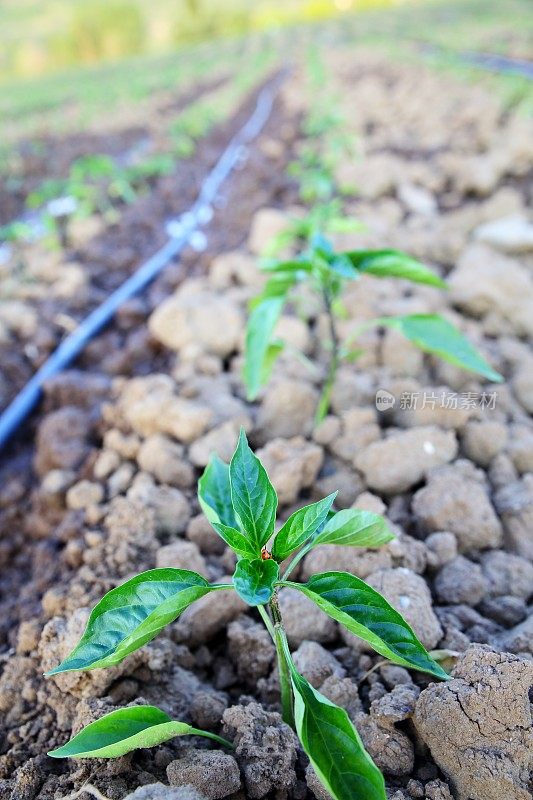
{"type": "Point", "coordinates": [268, 623]}
{"type": "Point", "coordinates": [325, 397]}
{"type": "Point", "coordinates": [280, 641]}
{"type": "Point", "coordinates": [209, 735]}
{"type": "Point", "coordinates": [296, 560]}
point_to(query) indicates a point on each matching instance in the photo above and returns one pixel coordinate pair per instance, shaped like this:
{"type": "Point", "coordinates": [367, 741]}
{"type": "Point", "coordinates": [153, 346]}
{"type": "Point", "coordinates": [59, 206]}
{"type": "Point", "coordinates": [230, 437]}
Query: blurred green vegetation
{"type": "Point", "coordinates": [77, 59]}
{"type": "Point", "coordinates": [38, 37]}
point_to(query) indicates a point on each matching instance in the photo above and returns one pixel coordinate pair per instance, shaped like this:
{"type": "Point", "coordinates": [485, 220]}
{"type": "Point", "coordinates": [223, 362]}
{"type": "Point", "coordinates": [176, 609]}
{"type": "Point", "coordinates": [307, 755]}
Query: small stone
{"type": "Point", "coordinates": [106, 463]}
{"type": "Point", "coordinates": [221, 440]}
{"type": "Point", "coordinates": [514, 503]}
{"type": "Point", "coordinates": [316, 663]}
{"type": "Point", "coordinates": [200, 531]}
{"type": "Point", "coordinates": [125, 444]}
{"type": "Point", "coordinates": [415, 789]}
{"type": "Point", "coordinates": [359, 561]}
{"type": "Point", "coordinates": [150, 406]}
{"type": "Point", "coordinates": [391, 750]}
{"type": "Point", "coordinates": [451, 501]}
{"type": "Point", "coordinates": [158, 791]}
{"type": "Point", "coordinates": [396, 706]}
{"type": "Point", "coordinates": [485, 283]}
{"type": "Point", "coordinates": [523, 385]}
{"type": "Point", "coordinates": [209, 615]}
{"type": "Point", "coordinates": [304, 620]}
{"type": "Point", "coordinates": [84, 494]}
{"type": "Point", "coordinates": [519, 639]}
{"type": "Point", "coordinates": [212, 772]}
{"type": "Point", "coordinates": [287, 409]}
{"type": "Point", "coordinates": [62, 440]}
{"type": "Point", "coordinates": [393, 675]}
{"type": "Point", "coordinates": [520, 448]}
{"type": "Point", "coordinates": [507, 574]}
{"type": "Point", "coordinates": [512, 234]}
{"type": "Point", "coordinates": [57, 481]}
{"type": "Point", "coordinates": [120, 480]}
{"type": "Point", "coordinates": [292, 465]}
{"type": "Point", "coordinates": [482, 441]}
{"type": "Point", "coordinates": [461, 581]}
{"type": "Point", "coordinates": [250, 648]}
{"type": "Point", "coordinates": [327, 430]}
{"type": "Point", "coordinates": [402, 459]}
{"type": "Point", "coordinates": [207, 709]}
{"type": "Point", "coordinates": [506, 610]}
{"type": "Point", "coordinates": [438, 790]}
{"type": "Point", "coordinates": [417, 199]}
{"type": "Point", "coordinates": [194, 321]}
{"type": "Point", "coordinates": [171, 509]}
{"type": "Point", "coordinates": [182, 555]}
{"type": "Point", "coordinates": [366, 501]}
{"type": "Point", "coordinates": [28, 636]}
{"type": "Point", "coordinates": [442, 548]}
{"type": "Point", "coordinates": [163, 458]}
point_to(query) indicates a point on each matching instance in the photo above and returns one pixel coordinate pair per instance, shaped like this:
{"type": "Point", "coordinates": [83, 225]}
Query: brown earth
{"type": "Point", "coordinates": [109, 487]}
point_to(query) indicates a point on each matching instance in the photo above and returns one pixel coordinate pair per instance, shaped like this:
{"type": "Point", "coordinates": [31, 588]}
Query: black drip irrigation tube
{"type": "Point", "coordinates": [182, 231]}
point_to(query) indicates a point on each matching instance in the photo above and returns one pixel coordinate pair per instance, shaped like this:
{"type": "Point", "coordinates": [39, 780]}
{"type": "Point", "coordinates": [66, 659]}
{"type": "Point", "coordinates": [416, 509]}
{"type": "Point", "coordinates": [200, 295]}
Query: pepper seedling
{"type": "Point", "coordinates": [241, 504]}
{"type": "Point", "coordinates": [327, 272]}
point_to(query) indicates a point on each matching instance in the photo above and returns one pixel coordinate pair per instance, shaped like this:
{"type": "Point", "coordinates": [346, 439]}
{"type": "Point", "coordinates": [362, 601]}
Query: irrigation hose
{"type": "Point", "coordinates": [181, 232]}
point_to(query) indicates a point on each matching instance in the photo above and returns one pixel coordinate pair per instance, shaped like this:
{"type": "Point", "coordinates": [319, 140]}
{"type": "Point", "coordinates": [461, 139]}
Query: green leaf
{"type": "Point", "coordinates": [295, 265]}
{"type": "Point", "coordinates": [261, 324]}
{"type": "Point", "coordinates": [214, 493]}
{"type": "Point", "coordinates": [124, 730]}
{"type": "Point", "coordinates": [276, 288]}
{"type": "Point", "coordinates": [300, 527]}
{"type": "Point", "coordinates": [355, 528]}
{"type": "Point", "coordinates": [238, 542]}
{"type": "Point", "coordinates": [253, 496]}
{"type": "Point", "coordinates": [333, 745]}
{"type": "Point", "coordinates": [394, 264]}
{"type": "Point", "coordinates": [342, 266]}
{"type": "Point", "coordinates": [274, 350]}
{"type": "Point", "coordinates": [434, 334]}
{"type": "Point", "coordinates": [254, 580]}
{"type": "Point", "coordinates": [367, 614]}
{"type": "Point", "coordinates": [131, 615]}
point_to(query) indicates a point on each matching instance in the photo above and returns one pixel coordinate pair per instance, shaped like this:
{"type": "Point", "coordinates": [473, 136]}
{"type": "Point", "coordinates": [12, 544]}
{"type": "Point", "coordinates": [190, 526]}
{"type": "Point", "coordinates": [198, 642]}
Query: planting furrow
{"type": "Point", "coordinates": [108, 487]}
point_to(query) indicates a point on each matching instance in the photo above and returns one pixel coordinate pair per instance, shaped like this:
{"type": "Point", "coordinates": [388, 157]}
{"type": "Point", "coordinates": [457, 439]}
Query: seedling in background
{"type": "Point", "coordinates": [327, 141]}
{"type": "Point", "coordinates": [327, 272]}
{"type": "Point", "coordinates": [241, 504]}
{"type": "Point", "coordinates": [17, 235]}
{"type": "Point", "coordinates": [96, 184]}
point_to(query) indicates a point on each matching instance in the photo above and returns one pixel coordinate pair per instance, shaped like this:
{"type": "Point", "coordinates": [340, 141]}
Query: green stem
{"type": "Point", "coordinates": [280, 641]}
{"type": "Point", "coordinates": [296, 560]}
{"type": "Point", "coordinates": [209, 735]}
{"type": "Point", "coordinates": [325, 397]}
{"type": "Point", "coordinates": [268, 623]}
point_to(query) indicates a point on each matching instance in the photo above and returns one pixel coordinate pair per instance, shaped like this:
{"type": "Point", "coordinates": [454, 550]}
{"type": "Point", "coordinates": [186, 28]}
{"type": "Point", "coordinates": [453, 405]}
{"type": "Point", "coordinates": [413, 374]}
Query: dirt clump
{"type": "Point", "coordinates": [266, 748]}
{"type": "Point", "coordinates": [402, 459]}
{"type": "Point", "coordinates": [478, 725]}
{"type": "Point", "coordinates": [456, 499]}
{"type": "Point", "coordinates": [213, 773]}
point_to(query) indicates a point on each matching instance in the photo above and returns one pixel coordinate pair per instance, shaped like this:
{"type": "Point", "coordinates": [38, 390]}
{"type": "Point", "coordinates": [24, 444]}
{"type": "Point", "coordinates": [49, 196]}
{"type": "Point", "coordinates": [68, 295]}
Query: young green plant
{"type": "Point", "coordinates": [327, 272]}
{"type": "Point", "coordinates": [241, 504]}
